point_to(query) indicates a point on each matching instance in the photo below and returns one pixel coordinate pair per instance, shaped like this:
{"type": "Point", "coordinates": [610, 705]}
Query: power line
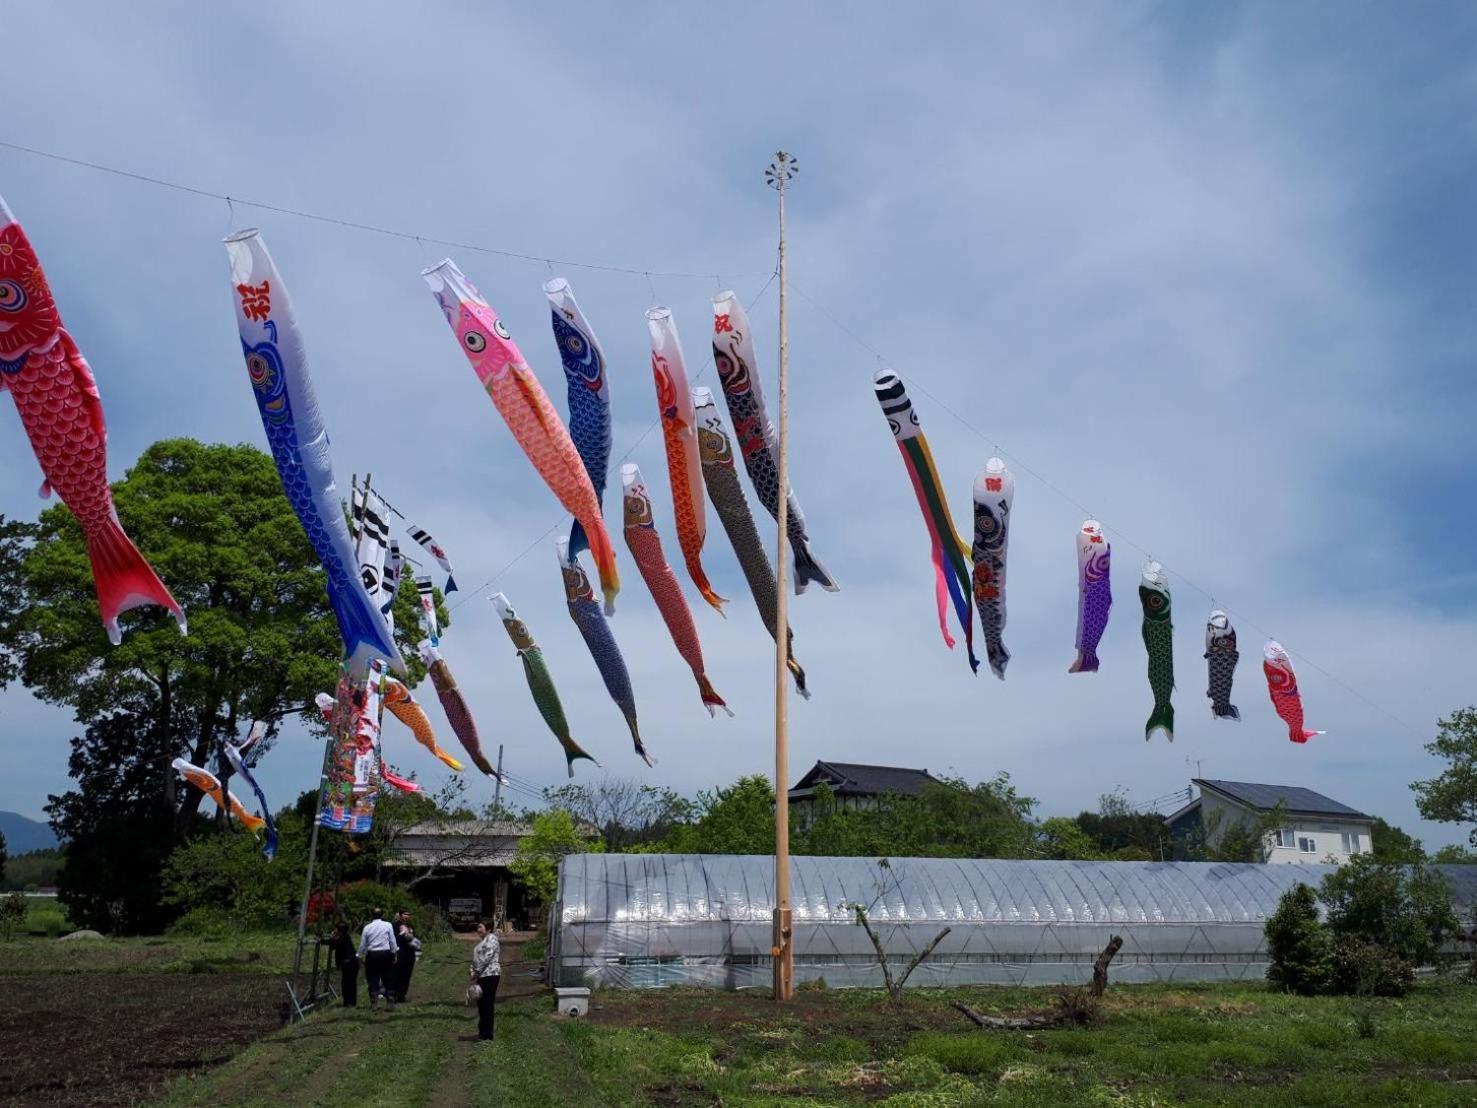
{"type": "Point", "coordinates": [351, 224]}
{"type": "Point", "coordinates": [1088, 514]}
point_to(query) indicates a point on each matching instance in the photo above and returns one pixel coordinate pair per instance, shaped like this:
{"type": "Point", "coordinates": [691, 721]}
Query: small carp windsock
{"type": "Point", "coordinates": [433, 548]}
{"type": "Point", "coordinates": [994, 490]}
{"type": "Point", "coordinates": [394, 567]}
{"type": "Point", "coordinates": [463, 726]}
{"type": "Point", "coordinates": [430, 627]}
{"type": "Point", "coordinates": [950, 553]}
{"type": "Point", "coordinates": [1159, 642]}
{"type": "Point", "coordinates": [715, 449]}
{"type": "Point", "coordinates": [1094, 594]}
{"type": "Point", "coordinates": [679, 433]}
{"type": "Point", "coordinates": [404, 784]}
{"type": "Point", "coordinates": [646, 548]}
{"type": "Point", "coordinates": [733, 355]}
{"type": "Point", "coordinates": [1221, 657]}
{"type": "Point", "coordinates": [584, 609]}
{"type": "Point", "coordinates": [525, 407]}
{"type": "Point", "coordinates": [540, 682]}
{"type": "Point", "coordinates": [403, 706]}
{"type": "Point", "coordinates": [239, 758]}
{"type": "Point", "coordinates": [210, 785]}
{"type": "Point", "coordinates": [62, 413]}
{"type": "Point", "coordinates": [277, 365]}
{"type": "Point", "coordinates": [1282, 684]}
{"type": "Point", "coordinates": [589, 392]}
{"type": "Point", "coordinates": [368, 514]}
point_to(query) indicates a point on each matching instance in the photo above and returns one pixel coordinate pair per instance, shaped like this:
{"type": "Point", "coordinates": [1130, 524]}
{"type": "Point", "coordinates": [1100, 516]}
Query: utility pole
{"type": "Point", "coordinates": [497, 788]}
{"type": "Point", "coordinates": [778, 176]}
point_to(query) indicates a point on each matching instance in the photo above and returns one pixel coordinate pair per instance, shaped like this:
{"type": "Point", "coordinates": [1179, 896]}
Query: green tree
{"type": "Point", "coordinates": [1391, 844]}
{"type": "Point", "coordinates": [35, 869]}
{"type": "Point", "coordinates": [834, 831]}
{"type": "Point", "coordinates": [628, 813]}
{"type": "Point", "coordinates": [1454, 854]}
{"type": "Point", "coordinates": [1405, 910]}
{"type": "Point", "coordinates": [15, 541]}
{"type": "Point", "coordinates": [555, 835]}
{"type": "Point", "coordinates": [1298, 945]}
{"type": "Point", "coordinates": [213, 521]}
{"type": "Point", "coordinates": [1120, 832]}
{"type": "Point", "coordinates": [1451, 796]}
{"type": "Point", "coordinates": [953, 819]}
{"type": "Point", "coordinates": [4, 857]}
{"type": "Point", "coordinates": [1064, 838]}
{"type": "Point", "coordinates": [738, 819]}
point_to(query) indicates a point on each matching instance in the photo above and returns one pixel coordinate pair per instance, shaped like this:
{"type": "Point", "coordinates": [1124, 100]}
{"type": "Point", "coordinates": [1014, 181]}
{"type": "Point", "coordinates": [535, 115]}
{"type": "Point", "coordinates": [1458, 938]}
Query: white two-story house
{"type": "Point", "coordinates": [1316, 828]}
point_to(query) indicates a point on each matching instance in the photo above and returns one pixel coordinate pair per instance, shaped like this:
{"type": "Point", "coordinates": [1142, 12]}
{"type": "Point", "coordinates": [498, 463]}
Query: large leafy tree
{"type": "Point", "coordinates": [214, 523]}
{"type": "Point", "coordinates": [1451, 796]}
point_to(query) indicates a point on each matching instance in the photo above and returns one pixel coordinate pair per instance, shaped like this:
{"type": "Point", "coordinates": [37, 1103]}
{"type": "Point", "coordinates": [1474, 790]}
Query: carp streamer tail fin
{"type": "Point", "coordinates": [809, 571]}
{"type": "Point", "coordinates": [1086, 662]}
{"type": "Point", "coordinates": [1161, 719]}
{"type": "Point", "coordinates": [1229, 711]}
{"type": "Point", "coordinates": [711, 699]}
{"type": "Point", "coordinates": [123, 579]}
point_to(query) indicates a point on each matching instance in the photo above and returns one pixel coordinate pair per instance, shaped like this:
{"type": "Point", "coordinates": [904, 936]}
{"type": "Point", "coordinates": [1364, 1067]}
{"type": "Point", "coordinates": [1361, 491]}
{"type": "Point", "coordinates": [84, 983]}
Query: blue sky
{"type": "Point", "coordinates": [1206, 271]}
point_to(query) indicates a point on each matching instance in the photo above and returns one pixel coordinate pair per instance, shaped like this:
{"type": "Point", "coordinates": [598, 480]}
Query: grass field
{"type": "Point", "coordinates": [198, 1002]}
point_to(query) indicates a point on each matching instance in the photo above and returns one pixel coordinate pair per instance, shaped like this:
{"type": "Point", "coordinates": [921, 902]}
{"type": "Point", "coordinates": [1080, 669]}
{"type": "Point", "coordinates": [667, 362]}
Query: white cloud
{"type": "Point", "coordinates": [1124, 249]}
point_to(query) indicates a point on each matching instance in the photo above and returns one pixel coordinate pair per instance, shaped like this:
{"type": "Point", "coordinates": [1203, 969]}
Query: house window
{"type": "Point", "coordinates": [1350, 842]}
{"type": "Point", "coordinates": [1285, 838]}
{"type": "Point", "coordinates": [1307, 846]}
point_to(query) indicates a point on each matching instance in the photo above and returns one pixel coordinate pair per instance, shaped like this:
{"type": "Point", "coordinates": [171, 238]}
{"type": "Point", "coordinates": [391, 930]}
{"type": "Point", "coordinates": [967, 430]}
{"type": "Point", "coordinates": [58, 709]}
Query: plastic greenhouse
{"type": "Point", "coordinates": [659, 920]}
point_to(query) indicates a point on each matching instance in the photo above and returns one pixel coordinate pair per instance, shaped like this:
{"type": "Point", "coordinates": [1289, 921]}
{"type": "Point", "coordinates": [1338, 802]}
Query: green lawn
{"type": "Point", "coordinates": [249, 953]}
{"type": "Point", "coordinates": [1158, 1046]}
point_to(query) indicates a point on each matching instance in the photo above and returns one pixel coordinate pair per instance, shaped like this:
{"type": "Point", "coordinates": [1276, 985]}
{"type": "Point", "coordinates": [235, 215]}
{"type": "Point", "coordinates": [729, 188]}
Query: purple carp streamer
{"type": "Point", "coordinates": [540, 681]}
{"type": "Point", "coordinates": [240, 759]}
{"type": "Point", "coordinates": [454, 704]}
{"type": "Point", "coordinates": [715, 450]}
{"type": "Point", "coordinates": [589, 392]}
{"type": "Point", "coordinates": [733, 354]}
{"type": "Point", "coordinates": [951, 573]}
{"type": "Point", "coordinates": [1221, 657]}
{"type": "Point", "coordinates": [1094, 594]}
{"type": "Point", "coordinates": [994, 491]}
{"type": "Point", "coordinates": [646, 548]}
{"type": "Point", "coordinates": [584, 609]}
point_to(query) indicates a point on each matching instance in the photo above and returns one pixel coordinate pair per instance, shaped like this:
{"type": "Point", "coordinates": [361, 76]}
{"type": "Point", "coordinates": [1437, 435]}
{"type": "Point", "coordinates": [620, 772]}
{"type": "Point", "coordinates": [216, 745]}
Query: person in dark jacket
{"type": "Point", "coordinates": [346, 958]}
{"type": "Point", "coordinates": [406, 947]}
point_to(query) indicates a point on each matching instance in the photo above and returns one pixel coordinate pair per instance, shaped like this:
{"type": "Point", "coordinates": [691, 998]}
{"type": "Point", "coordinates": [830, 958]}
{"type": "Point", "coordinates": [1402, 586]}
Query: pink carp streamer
{"type": "Point", "coordinates": [646, 548]}
{"type": "Point", "coordinates": [679, 433]}
{"type": "Point", "coordinates": [1282, 686]}
{"type": "Point", "coordinates": [526, 409]}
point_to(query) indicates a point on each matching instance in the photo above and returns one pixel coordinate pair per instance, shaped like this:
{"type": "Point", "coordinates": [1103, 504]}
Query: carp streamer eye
{"type": "Point", "coordinates": [475, 341]}
{"type": "Point", "coordinates": [501, 330]}
{"type": "Point", "coordinates": [12, 296]}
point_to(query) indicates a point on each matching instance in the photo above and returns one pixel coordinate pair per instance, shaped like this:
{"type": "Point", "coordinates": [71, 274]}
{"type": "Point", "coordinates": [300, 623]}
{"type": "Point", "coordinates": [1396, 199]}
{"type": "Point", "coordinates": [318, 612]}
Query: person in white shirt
{"type": "Point", "coordinates": [487, 971]}
{"type": "Point", "coordinates": [377, 951]}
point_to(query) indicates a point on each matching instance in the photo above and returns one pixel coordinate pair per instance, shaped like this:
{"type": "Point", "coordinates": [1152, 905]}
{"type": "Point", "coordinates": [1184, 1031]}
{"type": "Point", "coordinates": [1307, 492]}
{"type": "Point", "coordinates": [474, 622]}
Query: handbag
{"type": "Point", "coordinates": [474, 993]}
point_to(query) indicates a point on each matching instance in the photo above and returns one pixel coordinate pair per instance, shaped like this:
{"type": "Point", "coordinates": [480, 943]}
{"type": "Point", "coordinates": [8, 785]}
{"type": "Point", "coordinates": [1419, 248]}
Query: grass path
{"type": "Point", "coordinates": [1232, 1045]}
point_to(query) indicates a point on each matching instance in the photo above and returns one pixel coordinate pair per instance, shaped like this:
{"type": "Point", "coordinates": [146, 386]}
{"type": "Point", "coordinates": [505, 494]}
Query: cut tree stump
{"type": "Point", "coordinates": [1075, 1007]}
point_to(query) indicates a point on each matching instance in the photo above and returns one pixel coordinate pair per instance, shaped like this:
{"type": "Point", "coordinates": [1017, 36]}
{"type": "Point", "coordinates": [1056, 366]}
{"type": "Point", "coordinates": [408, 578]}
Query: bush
{"type": "Point", "coordinates": [1403, 909]}
{"type": "Point", "coordinates": [12, 910]}
{"type": "Point", "coordinates": [1298, 945]}
{"type": "Point", "coordinates": [48, 920]}
{"type": "Point", "coordinates": [430, 923]}
{"type": "Point", "coordinates": [1365, 969]}
{"type": "Point", "coordinates": [205, 923]}
{"type": "Point", "coordinates": [357, 900]}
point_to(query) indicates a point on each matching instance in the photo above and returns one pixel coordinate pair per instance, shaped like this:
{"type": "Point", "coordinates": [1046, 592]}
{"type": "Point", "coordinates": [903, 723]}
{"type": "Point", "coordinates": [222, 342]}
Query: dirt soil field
{"type": "Point", "coordinates": [87, 1040]}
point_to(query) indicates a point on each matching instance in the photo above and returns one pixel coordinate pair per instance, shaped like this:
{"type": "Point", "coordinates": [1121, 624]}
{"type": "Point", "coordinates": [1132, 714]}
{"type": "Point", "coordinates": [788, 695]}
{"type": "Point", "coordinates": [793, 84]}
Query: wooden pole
{"type": "Point", "coordinates": [780, 171]}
